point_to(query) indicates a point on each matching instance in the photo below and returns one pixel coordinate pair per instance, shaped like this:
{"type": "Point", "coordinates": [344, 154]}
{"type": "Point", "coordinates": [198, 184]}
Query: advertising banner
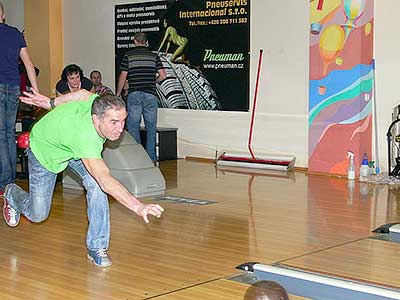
{"type": "Point", "coordinates": [204, 47]}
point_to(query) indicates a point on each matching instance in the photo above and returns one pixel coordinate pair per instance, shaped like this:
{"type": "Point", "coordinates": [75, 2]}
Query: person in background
{"type": "Point", "coordinates": [99, 88]}
{"type": "Point", "coordinates": [266, 290]}
{"type": "Point", "coordinates": [125, 91]}
{"type": "Point", "coordinates": [72, 80]}
{"type": "Point", "coordinates": [12, 47]}
{"type": "Point", "coordinates": [25, 84]}
{"type": "Point", "coordinates": [143, 69]}
{"type": "Point", "coordinates": [26, 112]}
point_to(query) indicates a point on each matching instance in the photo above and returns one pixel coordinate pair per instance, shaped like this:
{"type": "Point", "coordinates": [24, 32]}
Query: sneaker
{"type": "Point", "coordinates": [11, 216]}
{"type": "Point", "coordinates": [99, 257]}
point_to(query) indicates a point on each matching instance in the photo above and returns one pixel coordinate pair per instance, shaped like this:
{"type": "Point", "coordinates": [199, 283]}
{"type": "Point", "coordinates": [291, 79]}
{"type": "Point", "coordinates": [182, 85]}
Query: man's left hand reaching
{"type": "Point", "coordinates": [36, 99]}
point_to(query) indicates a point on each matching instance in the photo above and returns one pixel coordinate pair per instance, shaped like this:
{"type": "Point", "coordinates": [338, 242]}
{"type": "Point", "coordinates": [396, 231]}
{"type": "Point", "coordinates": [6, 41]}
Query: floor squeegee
{"type": "Point", "coordinates": [251, 160]}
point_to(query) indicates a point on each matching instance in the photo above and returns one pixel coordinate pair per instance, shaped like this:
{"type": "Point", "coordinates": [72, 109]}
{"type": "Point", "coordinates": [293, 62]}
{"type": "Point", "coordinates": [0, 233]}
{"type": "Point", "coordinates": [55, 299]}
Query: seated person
{"type": "Point", "coordinates": [72, 80]}
{"type": "Point", "coordinates": [100, 88]}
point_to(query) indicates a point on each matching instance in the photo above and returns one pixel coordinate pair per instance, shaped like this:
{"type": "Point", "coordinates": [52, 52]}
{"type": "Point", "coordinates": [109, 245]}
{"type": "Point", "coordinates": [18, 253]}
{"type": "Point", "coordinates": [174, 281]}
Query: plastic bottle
{"type": "Point", "coordinates": [372, 170]}
{"type": "Point", "coordinates": [350, 190]}
{"type": "Point", "coordinates": [364, 169]}
{"type": "Point", "coordinates": [351, 171]}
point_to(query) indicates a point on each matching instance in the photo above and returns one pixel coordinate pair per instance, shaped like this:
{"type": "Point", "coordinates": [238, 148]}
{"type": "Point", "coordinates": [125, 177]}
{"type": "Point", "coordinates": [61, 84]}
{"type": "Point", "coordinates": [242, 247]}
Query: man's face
{"type": "Point", "coordinates": [74, 80]}
{"type": "Point", "coordinates": [96, 78]}
{"type": "Point", "coordinates": [112, 124]}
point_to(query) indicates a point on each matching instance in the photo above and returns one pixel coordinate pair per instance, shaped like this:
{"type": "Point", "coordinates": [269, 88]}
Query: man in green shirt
{"type": "Point", "coordinates": [72, 134]}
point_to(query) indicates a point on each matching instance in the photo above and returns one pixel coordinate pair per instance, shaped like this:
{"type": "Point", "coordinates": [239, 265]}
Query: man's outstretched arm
{"type": "Point", "coordinates": [37, 99]}
{"type": "Point", "coordinates": [100, 172]}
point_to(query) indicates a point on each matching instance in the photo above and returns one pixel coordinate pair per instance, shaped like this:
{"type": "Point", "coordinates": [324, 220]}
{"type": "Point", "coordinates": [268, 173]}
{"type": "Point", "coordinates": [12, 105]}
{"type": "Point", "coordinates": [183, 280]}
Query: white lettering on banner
{"type": "Point", "coordinates": [210, 56]}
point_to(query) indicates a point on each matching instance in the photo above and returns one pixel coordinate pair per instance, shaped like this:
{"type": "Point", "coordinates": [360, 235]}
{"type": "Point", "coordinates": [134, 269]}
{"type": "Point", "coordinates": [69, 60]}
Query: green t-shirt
{"type": "Point", "coordinates": [67, 132]}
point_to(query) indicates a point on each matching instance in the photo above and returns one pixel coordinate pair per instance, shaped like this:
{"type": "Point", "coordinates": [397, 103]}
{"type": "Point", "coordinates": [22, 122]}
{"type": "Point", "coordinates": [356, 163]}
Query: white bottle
{"type": "Point", "coordinates": [351, 171]}
{"type": "Point", "coordinates": [364, 169]}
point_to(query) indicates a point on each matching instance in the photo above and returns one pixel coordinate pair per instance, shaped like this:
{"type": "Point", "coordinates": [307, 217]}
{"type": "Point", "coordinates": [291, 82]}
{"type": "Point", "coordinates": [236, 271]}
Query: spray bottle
{"type": "Point", "coordinates": [364, 169]}
{"type": "Point", "coordinates": [351, 171]}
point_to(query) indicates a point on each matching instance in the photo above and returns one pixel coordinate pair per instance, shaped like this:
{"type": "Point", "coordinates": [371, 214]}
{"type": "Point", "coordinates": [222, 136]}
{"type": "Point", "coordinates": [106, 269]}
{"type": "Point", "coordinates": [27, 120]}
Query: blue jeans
{"type": "Point", "coordinates": [36, 204]}
{"type": "Point", "coordinates": [8, 150]}
{"type": "Point", "coordinates": [143, 103]}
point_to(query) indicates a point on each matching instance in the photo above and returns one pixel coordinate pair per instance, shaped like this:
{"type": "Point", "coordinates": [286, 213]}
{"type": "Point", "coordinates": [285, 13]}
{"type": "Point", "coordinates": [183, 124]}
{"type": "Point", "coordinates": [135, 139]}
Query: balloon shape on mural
{"type": "Point", "coordinates": [353, 10]}
{"type": "Point", "coordinates": [367, 28]}
{"type": "Point", "coordinates": [330, 44]}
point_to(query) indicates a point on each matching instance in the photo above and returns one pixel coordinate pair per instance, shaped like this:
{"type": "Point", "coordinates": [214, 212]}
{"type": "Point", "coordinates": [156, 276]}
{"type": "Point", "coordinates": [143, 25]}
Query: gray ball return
{"type": "Point", "coordinates": [130, 164]}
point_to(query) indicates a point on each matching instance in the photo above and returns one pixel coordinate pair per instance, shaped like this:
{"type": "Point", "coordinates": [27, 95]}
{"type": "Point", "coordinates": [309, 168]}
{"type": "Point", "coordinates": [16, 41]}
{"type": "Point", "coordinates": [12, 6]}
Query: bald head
{"type": "Point", "coordinates": [2, 12]}
{"type": "Point", "coordinates": [266, 290]}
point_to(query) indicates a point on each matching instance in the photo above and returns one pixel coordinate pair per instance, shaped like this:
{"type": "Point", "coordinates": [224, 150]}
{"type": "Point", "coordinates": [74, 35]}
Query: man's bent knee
{"type": "Point", "coordinates": [38, 217]}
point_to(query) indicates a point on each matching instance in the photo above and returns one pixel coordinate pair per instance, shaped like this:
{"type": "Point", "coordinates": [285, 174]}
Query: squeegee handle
{"type": "Point", "coordinates": [253, 112]}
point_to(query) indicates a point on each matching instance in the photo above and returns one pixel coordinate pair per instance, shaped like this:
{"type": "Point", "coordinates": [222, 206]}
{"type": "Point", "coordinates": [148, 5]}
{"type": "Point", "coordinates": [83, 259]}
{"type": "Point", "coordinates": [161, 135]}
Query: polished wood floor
{"type": "Point", "coordinates": [301, 220]}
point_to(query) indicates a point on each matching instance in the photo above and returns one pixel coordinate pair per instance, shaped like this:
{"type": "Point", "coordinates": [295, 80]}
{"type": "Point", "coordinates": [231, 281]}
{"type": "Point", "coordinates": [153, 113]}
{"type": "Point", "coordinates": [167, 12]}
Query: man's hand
{"type": "Point", "coordinates": [36, 99]}
{"type": "Point", "coordinates": [149, 209]}
{"type": "Point", "coordinates": [99, 170]}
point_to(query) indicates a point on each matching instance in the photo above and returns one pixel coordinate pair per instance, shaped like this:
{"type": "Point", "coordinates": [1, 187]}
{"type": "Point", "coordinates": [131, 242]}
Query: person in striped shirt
{"type": "Point", "coordinates": [143, 69]}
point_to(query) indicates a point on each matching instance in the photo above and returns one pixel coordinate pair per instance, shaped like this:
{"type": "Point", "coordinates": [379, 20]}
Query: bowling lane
{"type": "Point", "coordinates": [219, 289]}
{"type": "Point", "coordinates": [368, 260]}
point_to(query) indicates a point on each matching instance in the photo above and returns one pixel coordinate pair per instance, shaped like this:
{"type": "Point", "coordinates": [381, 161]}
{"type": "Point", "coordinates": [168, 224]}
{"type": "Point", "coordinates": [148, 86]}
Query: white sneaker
{"type": "Point", "coordinates": [99, 257]}
{"type": "Point", "coordinates": [11, 216]}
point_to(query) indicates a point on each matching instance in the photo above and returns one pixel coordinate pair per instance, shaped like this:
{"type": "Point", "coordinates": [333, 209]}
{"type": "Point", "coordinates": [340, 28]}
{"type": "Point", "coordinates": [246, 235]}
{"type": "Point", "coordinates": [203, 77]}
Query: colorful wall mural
{"type": "Point", "coordinates": [341, 83]}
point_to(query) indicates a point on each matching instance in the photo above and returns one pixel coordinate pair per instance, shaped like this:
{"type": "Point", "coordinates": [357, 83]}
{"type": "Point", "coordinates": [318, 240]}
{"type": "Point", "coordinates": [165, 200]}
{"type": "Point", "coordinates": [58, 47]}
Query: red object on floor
{"type": "Point", "coordinates": [255, 160]}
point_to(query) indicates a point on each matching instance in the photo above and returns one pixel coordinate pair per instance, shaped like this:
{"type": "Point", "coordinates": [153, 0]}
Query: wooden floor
{"type": "Point", "coordinates": [309, 221]}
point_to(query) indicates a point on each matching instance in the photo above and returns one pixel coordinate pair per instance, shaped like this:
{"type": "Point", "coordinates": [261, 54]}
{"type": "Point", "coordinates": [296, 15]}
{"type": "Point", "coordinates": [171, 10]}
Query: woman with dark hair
{"type": "Point", "coordinates": [72, 80]}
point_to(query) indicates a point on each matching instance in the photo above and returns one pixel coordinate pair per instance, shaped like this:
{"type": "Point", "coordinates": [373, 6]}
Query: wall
{"type": "Point", "coordinates": [43, 33]}
{"type": "Point", "coordinates": [36, 35]}
{"type": "Point", "coordinates": [281, 122]}
{"type": "Point", "coordinates": [55, 43]}
{"type": "Point", "coordinates": [14, 13]}
{"type": "Point", "coordinates": [341, 84]}
{"type": "Point", "coordinates": [387, 66]}
{"type": "Point", "coordinates": [282, 30]}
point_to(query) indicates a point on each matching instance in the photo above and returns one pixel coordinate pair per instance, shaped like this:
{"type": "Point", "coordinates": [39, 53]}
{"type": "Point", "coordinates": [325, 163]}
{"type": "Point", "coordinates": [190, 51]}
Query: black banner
{"type": "Point", "coordinates": [204, 47]}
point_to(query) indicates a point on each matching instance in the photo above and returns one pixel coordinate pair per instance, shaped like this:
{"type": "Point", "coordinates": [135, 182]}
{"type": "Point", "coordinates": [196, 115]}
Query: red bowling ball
{"type": "Point", "coordinates": [23, 140]}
